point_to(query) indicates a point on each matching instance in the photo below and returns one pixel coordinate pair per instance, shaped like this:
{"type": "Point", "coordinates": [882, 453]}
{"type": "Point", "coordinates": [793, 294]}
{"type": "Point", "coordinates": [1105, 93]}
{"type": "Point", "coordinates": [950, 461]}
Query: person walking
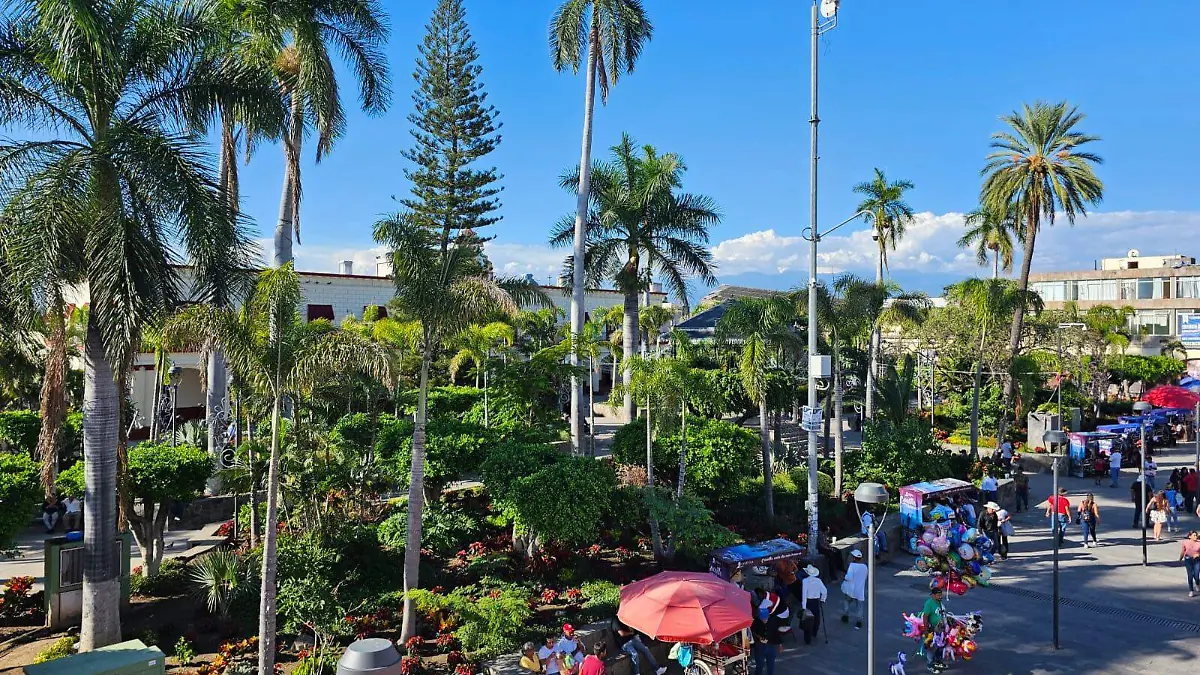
{"type": "Point", "coordinates": [1189, 553]}
{"type": "Point", "coordinates": [1151, 470]}
{"type": "Point", "coordinates": [1099, 468]}
{"type": "Point", "coordinates": [1174, 501]}
{"type": "Point", "coordinates": [989, 522]}
{"type": "Point", "coordinates": [1135, 495]}
{"type": "Point", "coordinates": [814, 594]}
{"type": "Point", "coordinates": [1089, 519]}
{"type": "Point", "coordinates": [1058, 510]}
{"type": "Point", "coordinates": [854, 590]}
{"type": "Point", "coordinates": [1022, 487]}
{"type": "Point", "coordinates": [1114, 467]}
{"type": "Point", "coordinates": [1157, 509]}
{"type": "Point", "coordinates": [933, 614]}
{"type": "Point", "coordinates": [767, 641]}
{"type": "Point", "coordinates": [1188, 481]}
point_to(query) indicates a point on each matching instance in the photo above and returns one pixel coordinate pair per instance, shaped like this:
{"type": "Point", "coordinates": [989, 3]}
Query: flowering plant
{"type": "Point", "coordinates": [410, 665]}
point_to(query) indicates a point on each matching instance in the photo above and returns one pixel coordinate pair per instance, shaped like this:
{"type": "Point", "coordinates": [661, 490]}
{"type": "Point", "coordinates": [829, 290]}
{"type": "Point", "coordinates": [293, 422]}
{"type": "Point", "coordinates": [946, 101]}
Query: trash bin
{"type": "Point", "coordinates": [376, 656]}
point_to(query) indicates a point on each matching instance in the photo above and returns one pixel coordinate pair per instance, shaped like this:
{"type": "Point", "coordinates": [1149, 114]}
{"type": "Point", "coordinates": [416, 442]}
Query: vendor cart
{"type": "Point", "coordinates": [917, 499]}
{"type": "Point", "coordinates": [1086, 446]}
{"type": "Point", "coordinates": [727, 562]}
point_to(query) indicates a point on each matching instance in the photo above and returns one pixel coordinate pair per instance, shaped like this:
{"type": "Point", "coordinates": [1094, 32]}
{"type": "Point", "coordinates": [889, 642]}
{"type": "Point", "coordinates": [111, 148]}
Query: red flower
{"type": "Point", "coordinates": [464, 669]}
{"type": "Point", "coordinates": [594, 550]}
{"type": "Point", "coordinates": [445, 641]}
{"type": "Point", "coordinates": [549, 596]}
{"type": "Point", "coordinates": [573, 594]}
{"type": "Point", "coordinates": [454, 658]}
{"type": "Point", "coordinates": [413, 644]}
{"type": "Point", "coordinates": [409, 665]}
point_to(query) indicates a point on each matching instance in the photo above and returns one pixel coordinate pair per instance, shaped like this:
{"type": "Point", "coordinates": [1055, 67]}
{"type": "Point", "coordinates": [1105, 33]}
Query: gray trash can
{"type": "Point", "coordinates": [376, 656]}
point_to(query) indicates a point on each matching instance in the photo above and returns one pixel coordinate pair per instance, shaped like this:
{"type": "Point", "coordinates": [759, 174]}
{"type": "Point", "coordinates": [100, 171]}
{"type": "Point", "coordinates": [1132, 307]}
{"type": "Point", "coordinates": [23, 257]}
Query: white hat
{"type": "Point", "coordinates": [992, 505]}
{"type": "Point", "coordinates": [812, 571]}
{"type": "Point", "coordinates": [856, 553]}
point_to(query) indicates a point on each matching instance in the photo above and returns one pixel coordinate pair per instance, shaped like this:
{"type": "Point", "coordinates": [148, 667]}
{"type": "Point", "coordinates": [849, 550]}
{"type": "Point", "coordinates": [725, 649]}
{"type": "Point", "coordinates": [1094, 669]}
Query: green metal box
{"type": "Point", "coordinates": [125, 658]}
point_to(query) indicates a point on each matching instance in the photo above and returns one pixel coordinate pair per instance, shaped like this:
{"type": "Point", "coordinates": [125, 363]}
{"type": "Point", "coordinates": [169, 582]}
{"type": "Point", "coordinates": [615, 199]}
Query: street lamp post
{"type": "Point", "coordinates": [1141, 408]}
{"type": "Point", "coordinates": [174, 374]}
{"type": "Point", "coordinates": [871, 493]}
{"type": "Point", "coordinates": [827, 8]}
{"type": "Point", "coordinates": [1058, 437]}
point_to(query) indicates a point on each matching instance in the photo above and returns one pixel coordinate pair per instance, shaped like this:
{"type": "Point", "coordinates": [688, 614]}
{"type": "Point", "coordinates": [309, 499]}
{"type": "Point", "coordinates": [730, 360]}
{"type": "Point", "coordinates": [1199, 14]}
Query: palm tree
{"type": "Point", "coordinates": [991, 233]}
{"type": "Point", "coordinates": [476, 343]}
{"type": "Point", "coordinates": [117, 190]}
{"type": "Point", "coordinates": [650, 319]}
{"type": "Point", "coordinates": [1038, 167]}
{"type": "Point", "coordinates": [295, 39]}
{"type": "Point", "coordinates": [269, 348]}
{"type": "Point", "coordinates": [988, 301]}
{"type": "Point", "coordinates": [605, 37]}
{"type": "Point", "coordinates": [587, 346]}
{"type": "Point", "coordinates": [638, 225]}
{"type": "Point", "coordinates": [894, 390]}
{"type": "Point", "coordinates": [441, 276]}
{"type": "Point", "coordinates": [762, 328]}
{"type": "Point", "coordinates": [890, 216]}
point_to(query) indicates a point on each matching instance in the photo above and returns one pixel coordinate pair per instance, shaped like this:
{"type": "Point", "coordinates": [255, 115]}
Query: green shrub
{"type": "Point", "coordinates": [799, 478]}
{"type": "Point", "coordinates": [719, 455]}
{"type": "Point", "coordinates": [452, 450]}
{"type": "Point", "coordinates": [62, 647]}
{"type": "Point", "coordinates": [444, 528]}
{"type": "Point", "coordinates": [443, 402]}
{"type": "Point", "coordinates": [489, 624]}
{"type": "Point", "coordinates": [244, 515]}
{"type": "Point", "coordinates": [391, 434]}
{"type": "Point", "coordinates": [173, 579]}
{"type": "Point", "coordinates": [354, 430]}
{"type": "Point", "coordinates": [71, 482]}
{"type": "Point", "coordinates": [897, 456]}
{"type": "Point", "coordinates": [160, 472]}
{"type": "Point", "coordinates": [564, 501]}
{"type": "Point", "coordinates": [19, 429]}
{"type": "Point", "coordinates": [184, 651]}
{"type": "Point", "coordinates": [601, 597]}
{"type": "Point", "coordinates": [510, 461]}
{"type": "Point", "coordinates": [20, 491]}
{"type": "Point", "coordinates": [219, 577]}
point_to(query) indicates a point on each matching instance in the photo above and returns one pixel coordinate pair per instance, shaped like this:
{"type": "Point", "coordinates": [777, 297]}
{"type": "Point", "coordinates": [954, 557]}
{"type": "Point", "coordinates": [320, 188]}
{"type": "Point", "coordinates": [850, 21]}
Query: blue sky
{"type": "Point", "coordinates": [726, 85]}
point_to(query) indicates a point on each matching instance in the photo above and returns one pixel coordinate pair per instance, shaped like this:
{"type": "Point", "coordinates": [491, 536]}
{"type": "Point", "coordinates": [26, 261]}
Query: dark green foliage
{"type": "Point", "coordinates": [19, 430]}
{"type": "Point", "coordinates": [723, 394]}
{"type": "Point", "coordinates": [20, 490]}
{"type": "Point", "coordinates": [354, 430]}
{"type": "Point", "coordinates": [391, 435]}
{"type": "Point", "coordinates": [70, 482]}
{"type": "Point", "coordinates": [452, 126]}
{"type": "Point", "coordinates": [563, 502]}
{"type": "Point", "coordinates": [161, 473]}
{"type": "Point", "coordinates": [686, 524]}
{"type": "Point", "coordinates": [443, 402]}
{"type": "Point", "coordinates": [490, 624]}
{"type": "Point", "coordinates": [444, 528]}
{"type": "Point", "coordinates": [512, 461]}
{"type": "Point", "coordinates": [1149, 370]}
{"type": "Point", "coordinates": [897, 455]}
{"type": "Point", "coordinates": [173, 579]}
{"type": "Point", "coordinates": [452, 450]}
{"type": "Point", "coordinates": [719, 455]}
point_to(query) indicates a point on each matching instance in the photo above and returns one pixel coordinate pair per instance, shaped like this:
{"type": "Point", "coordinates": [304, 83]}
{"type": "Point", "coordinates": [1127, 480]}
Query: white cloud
{"type": "Point", "coordinates": [539, 260]}
{"type": "Point", "coordinates": [324, 258]}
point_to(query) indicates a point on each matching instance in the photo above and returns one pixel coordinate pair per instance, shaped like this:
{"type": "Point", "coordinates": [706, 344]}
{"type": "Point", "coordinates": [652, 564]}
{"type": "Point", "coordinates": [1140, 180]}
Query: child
{"type": "Point", "coordinates": [1099, 468]}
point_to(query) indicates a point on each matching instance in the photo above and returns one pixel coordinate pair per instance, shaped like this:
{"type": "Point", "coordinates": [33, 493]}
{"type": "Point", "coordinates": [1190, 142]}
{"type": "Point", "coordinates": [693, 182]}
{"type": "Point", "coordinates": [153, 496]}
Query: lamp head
{"type": "Point", "coordinates": [829, 8]}
{"type": "Point", "coordinates": [871, 493]}
{"type": "Point", "coordinates": [174, 374]}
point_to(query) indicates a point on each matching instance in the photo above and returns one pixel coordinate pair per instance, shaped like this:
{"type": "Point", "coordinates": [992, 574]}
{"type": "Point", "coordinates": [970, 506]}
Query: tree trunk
{"type": "Point", "coordinates": [996, 264]}
{"type": "Point", "coordinates": [839, 442]}
{"type": "Point", "coordinates": [267, 594]}
{"type": "Point", "coordinates": [216, 402]}
{"type": "Point", "coordinates": [629, 335]}
{"type": "Point", "coordinates": [101, 622]}
{"type": "Point", "coordinates": [159, 363]}
{"type": "Point", "coordinates": [416, 499]}
{"type": "Point", "coordinates": [54, 395]}
{"type": "Point", "coordinates": [1014, 337]}
{"type": "Point", "coordinates": [148, 530]}
{"type": "Point", "coordinates": [593, 375]}
{"type": "Point", "coordinates": [682, 451]}
{"type": "Point", "coordinates": [655, 533]}
{"type": "Point", "coordinates": [581, 211]}
{"type": "Point", "coordinates": [873, 347]}
{"type": "Point", "coordinates": [289, 200]}
{"type": "Point", "coordinates": [767, 465]}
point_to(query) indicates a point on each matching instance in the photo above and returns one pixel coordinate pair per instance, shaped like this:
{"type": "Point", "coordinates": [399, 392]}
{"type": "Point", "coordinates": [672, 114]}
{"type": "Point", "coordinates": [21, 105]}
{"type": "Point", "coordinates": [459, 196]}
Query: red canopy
{"type": "Point", "coordinates": [1170, 396]}
{"type": "Point", "coordinates": [685, 607]}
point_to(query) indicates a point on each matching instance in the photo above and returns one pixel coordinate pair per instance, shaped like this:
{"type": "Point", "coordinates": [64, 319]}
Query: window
{"type": "Point", "coordinates": [1187, 287]}
{"type": "Point", "coordinates": [320, 312]}
{"type": "Point", "coordinates": [1129, 289]}
{"type": "Point", "coordinates": [1051, 291]}
{"type": "Point", "coordinates": [1096, 290]}
{"type": "Point", "coordinates": [1149, 289]}
{"type": "Point", "coordinates": [1151, 323]}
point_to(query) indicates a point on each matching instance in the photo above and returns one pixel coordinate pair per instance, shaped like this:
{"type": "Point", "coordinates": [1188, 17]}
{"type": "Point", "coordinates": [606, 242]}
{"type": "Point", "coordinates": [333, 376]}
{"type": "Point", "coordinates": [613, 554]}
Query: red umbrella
{"type": "Point", "coordinates": [1170, 396]}
{"type": "Point", "coordinates": [685, 607]}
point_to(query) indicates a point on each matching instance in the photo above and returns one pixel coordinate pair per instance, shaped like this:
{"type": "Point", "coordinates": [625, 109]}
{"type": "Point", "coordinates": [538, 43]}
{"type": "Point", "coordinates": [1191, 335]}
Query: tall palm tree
{"type": "Point", "coordinates": [991, 233]}
{"type": "Point", "coordinates": [988, 301]}
{"type": "Point", "coordinates": [270, 349]}
{"type": "Point", "coordinates": [441, 276]}
{"type": "Point", "coordinates": [606, 38]}
{"type": "Point", "coordinates": [297, 39]}
{"type": "Point", "coordinates": [638, 225]}
{"type": "Point", "coordinates": [118, 187]}
{"type": "Point", "coordinates": [762, 329]}
{"type": "Point", "coordinates": [587, 346]}
{"type": "Point", "coordinates": [1040, 168]}
{"type": "Point", "coordinates": [890, 216]}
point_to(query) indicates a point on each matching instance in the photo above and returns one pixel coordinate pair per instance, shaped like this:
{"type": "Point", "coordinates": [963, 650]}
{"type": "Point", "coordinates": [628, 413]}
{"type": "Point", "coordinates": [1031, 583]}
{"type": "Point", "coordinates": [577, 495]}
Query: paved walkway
{"type": "Point", "coordinates": [1115, 615]}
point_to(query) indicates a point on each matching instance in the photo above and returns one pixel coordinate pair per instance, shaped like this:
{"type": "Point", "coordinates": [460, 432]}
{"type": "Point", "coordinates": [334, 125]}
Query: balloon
{"type": "Point", "coordinates": [971, 581]}
{"type": "Point", "coordinates": [928, 536]}
{"type": "Point", "coordinates": [940, 545]}
{"type": "Point", "coordinates": [971, 535]}
{"type": "Point", "coordinates": [975, 567]}
{"type": "Point", "coordinates": [968, 649]}
{"type": "Point", "coordinates": [957, 587]}
{"type": "Point", "coordinates": [987, 558]}
{"type": "Point", "coordinates": [914, 626]}
{"type": "Point", "coordinates": [937, 582]}
{"type": "Point", "coordinates": [923, 549]}
{"type": "Point", "coordinates": [955, 560]}
{"type": "Point", "coordinates": [921, 565]}
{"type": "Point", "coordinates": [966, 552]}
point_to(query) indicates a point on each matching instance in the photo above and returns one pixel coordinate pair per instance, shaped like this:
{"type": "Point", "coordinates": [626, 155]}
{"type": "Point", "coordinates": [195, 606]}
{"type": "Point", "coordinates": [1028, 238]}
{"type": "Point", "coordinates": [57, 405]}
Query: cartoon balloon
{"type": "Point", "coordinates": [940, 545]}
{"type": "Point", "coordinates": [971, 535]}
{"type": "Point", "coordinates": [957, 587]}
{"type": "Point", "coordinates": [928, 536]}
{"type": "Point", "coordinates": [921, 565]}
{"type": "Point", "coordinates": [975, 567]}
{"type": "Point", "coordinates": [923, 549]}
{"type": "Point", "coordinates": [966, 552]}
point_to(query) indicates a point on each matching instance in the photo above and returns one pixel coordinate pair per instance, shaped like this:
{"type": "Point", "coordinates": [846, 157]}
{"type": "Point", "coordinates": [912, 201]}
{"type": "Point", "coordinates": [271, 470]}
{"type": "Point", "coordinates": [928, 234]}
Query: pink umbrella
{"type": "Point", "coordinates": [1170, 396]}
{"type": "Point", "coordinates": [691, 607]}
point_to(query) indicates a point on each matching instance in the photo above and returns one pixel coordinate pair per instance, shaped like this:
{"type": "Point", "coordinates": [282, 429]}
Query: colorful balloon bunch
{"type": "Point", "coordinates": [955, 637]}
{"type": "Point", "coordinates": [956, 556]}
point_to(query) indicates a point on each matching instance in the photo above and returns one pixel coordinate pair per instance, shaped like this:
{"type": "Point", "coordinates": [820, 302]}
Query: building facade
{"type": "Point", "coordinates": [1162, 290]}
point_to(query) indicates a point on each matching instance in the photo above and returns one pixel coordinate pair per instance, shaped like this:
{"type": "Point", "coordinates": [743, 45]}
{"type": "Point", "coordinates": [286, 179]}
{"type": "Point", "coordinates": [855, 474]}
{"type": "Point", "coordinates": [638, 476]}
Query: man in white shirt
{"type": "Point", "coordinates": [812, 598]}
{"type": "Point", "coordinates": [548, 655]}
{"type": "Point", "coordinates": [1006, 454]}
{"type": "Point", "coordinates": [988, 487]}
{"type": "Point", "coordinates": [1114, 467]}
{"type": "Point", "coordinates": [854, 590]}
{"type": "Point", "coordinates": [569, 648]}
{"type": "Point", "coordinates": [73, 518]}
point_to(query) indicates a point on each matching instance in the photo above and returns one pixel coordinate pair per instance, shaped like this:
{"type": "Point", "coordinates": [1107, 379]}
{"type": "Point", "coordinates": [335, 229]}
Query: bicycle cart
{"type": "Point", "coordinates": [709, 619]}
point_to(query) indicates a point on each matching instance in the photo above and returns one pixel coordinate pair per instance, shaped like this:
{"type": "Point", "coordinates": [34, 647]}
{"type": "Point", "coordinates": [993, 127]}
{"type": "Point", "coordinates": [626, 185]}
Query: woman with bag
{"type": "Point", "coordinates": [1088, 517]}
{"type": "Point", "coordinates": [1158, 514]}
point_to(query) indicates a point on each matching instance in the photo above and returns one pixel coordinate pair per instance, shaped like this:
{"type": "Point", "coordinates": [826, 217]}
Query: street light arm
{"type": "Point", "coordinates": [806, 233]}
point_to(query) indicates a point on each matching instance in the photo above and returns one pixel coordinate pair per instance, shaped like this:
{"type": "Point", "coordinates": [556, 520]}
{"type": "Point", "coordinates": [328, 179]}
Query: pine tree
{"type": "Point", "coordinates": [453, 127]}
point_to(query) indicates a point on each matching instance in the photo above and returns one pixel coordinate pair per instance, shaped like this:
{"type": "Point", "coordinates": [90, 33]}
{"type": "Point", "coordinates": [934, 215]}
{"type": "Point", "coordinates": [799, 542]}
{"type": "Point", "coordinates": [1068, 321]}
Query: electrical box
{"type": "Point", "coordinates": [820, 366]}
{"type": "Point", "coordinates": [125, 658]}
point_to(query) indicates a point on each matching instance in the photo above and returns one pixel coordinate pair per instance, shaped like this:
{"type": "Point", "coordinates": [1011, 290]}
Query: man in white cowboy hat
{"type": "Point", "coordinates": [854, 589]}
{"type": "Point", "coordinates": [989, 524]}
{"type": "Point", "coordinates": [812, 594]}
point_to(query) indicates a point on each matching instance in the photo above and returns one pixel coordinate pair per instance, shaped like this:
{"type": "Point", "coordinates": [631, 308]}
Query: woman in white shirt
{"type": "Point", "coordinates": [854, 590]}
{"type": "Point", "coordinates": [812, 594]}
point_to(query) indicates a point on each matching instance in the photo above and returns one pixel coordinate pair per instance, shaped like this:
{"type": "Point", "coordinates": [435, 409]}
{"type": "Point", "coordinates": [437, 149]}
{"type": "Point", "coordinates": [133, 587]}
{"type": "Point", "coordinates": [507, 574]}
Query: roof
{"type": "Point", "coordinates": [726, 292]}
{"type": "Point", "coordinates": [704, 324]}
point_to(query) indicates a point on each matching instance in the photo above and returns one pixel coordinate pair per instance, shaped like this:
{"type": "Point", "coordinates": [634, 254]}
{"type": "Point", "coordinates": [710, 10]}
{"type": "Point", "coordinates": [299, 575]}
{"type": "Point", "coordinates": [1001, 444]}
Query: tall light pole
{"type": "Point", "coordinates": [174, 375]}
{"type": "Point", "coordinates": [871, 493]}
{"type": "Point", "coordinates": [1141, 408]}
{"type": "Point", "coordinates": [828, 10]}
{"type": "Point", "coordinates": [1059, 438]}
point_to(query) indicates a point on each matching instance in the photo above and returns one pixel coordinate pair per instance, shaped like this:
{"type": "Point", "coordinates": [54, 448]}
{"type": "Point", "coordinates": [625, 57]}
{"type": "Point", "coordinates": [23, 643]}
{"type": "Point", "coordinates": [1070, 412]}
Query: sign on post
{"type": "Point", "coordinates": [811, 419]}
